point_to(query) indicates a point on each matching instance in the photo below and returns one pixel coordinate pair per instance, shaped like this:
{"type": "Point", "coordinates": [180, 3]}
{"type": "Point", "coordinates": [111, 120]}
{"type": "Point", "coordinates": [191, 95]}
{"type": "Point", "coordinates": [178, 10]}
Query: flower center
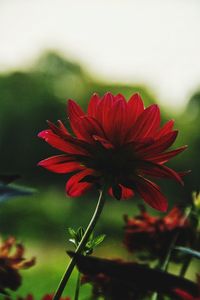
{"type": "Point", "coordinates": [112, 163]}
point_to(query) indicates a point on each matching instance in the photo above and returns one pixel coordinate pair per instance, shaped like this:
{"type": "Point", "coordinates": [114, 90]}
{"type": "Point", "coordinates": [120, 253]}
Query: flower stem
{"type": "Point", "coordinates": [185, 266]}
{"type": "Point", "coordinates": [77, 286]}
{"type": "Point", "coordinates": [164, 265]}
{"type": "Point", "coordinates": [81, 246]}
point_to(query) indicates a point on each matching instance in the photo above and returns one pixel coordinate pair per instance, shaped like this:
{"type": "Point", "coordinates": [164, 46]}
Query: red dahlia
{"type": "Point", "coordinates": [116, 142]}
{"type": "Point", "coordinates": [151, 235]}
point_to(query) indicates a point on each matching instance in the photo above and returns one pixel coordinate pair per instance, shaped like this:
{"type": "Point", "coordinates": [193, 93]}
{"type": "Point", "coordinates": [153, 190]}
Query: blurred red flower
{"type": "Point", "coordinates": [154, 234]}
{"type": "Point", "coordinates": [185, 295]}
{"type": "Point", "coordinates": [116, 142]}
{"type": "Point", "coordinates": [11, 261]}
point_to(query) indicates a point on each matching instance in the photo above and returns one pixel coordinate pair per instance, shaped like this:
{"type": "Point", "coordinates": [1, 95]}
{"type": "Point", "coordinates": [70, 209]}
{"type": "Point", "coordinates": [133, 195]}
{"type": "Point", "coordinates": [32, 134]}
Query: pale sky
{"type": "Point", "coordinates": [154, 42]}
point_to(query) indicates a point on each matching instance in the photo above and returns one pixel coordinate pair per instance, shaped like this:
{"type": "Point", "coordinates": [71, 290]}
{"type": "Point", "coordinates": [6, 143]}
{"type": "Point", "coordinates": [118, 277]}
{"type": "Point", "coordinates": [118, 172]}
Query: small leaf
{"type": "Point", "coordinates": [72, 232]}
{"type": "Point", "coordinates": [9, 191]}
{"type": "Point", "coordinates": [73, 241]}
{"type": "Point", "coordinates": [189, 251]}
{"type": "Point", "coordinates": [91, 236]}
{"type": "Point", "coordinates": [80, 233]}
{"type": "Point", "coordinates": [98, 240]}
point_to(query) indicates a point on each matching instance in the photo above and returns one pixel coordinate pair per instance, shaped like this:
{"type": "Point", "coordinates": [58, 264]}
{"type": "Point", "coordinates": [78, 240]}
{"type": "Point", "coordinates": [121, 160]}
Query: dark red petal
{"type": "Point", "coordinates": [165, 129]}
{"type": "Point", "coordinates": [74, 113]}
{"type": "Point", "coordinates": [104, 142]}
{"type": "Point", "coordinates": [119, 97]}
{"type": "Point", "coordinates": [86, 127]}
{"type": "Point", "coordinates": [104, 108]}
{"type": "Point", "coordinates": [159, 145]}
{"type": "Point", "coordinates": [62, 127]}
{"type": "Point", "coordinates": [184, 295]}
{"type": "Point", "coordinates": [59, 130]}
{"type": "Point", "coordinates": [151, 194]}
{"type": "Point", "coordinates": [117, 191]}
{"type": "Point", "coordinates": [74, 110]}
{"type": "Point", "coordinates": [74, 187]}
{"type": "Point", "coordinates": [146, 124]}
{"type": "Point", "coordinates": [135, 108]}
{"type": "Point", "coordinates": [93, 105]}
{"type": "Point", "coordinates": [126, 192]}
{"type": "Point", "coordinates": [115, 125]}
{"type": "Point", "coordinates": [159, 171]}
{"type": "Point", "coordinates": [63, 145]}
{"type": "Point", "coordinates": [61, 164]}
{"type": "Point", "coordinates": [140, 144]}
{"type": "Point", "coordinates": [164, 157]}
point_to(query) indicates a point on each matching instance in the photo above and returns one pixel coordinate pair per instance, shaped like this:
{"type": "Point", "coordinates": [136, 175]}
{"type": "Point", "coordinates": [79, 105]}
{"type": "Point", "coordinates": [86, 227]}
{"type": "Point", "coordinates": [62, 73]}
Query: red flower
{"type": "Point", "coordinates": [11, 261]}
{"type": "Point", "coordinates": [116, 142]}
{"type": "Point", "coordinates": [153, 234]}
{"type": "Point", "coordinates": [185, 295]}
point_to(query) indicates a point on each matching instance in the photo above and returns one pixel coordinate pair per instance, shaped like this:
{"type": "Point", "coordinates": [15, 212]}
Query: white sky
{"type": "Point", "coordinates": [154, 42]}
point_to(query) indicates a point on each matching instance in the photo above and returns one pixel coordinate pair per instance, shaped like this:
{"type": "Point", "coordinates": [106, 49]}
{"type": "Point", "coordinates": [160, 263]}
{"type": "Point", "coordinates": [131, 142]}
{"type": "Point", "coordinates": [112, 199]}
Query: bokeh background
{"type": "Point", "coordinates": [54, 50]}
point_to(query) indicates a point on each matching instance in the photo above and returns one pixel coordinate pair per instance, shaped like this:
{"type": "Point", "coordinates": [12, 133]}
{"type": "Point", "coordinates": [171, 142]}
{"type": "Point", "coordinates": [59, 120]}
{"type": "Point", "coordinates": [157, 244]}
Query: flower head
{"type": "Point", "coordinates": [11, 261]}
{"type": "Point", "coordinates": [153, 234]}
{"type": "Point", "coordinates": [117, 142]}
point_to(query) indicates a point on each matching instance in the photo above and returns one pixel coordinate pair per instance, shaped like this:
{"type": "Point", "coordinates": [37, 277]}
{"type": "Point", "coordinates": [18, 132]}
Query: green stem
{"type": "Point", "coordinates": [166, 261]}
{"type": "Point", "coordinates": [81, 246]}
{"type": "Point", "coordinates": [185, 266]}
{"type": "Point", "coordinates": [77, 286]}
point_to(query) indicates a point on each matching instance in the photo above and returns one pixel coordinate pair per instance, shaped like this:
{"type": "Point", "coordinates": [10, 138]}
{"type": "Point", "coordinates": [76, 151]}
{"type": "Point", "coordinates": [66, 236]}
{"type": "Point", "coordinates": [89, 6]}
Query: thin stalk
{"type": "Point", "coordinates": [81, 246]}
{"type": "Point", "coordinates": [77, 286]}
{"type": "Point", "coordinates": [185, 266]}
{"type": "Point", "coordinates": [166, 261]}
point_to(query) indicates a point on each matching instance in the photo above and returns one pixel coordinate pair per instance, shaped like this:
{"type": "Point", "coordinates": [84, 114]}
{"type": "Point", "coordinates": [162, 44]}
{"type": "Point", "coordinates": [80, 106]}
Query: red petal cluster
{"type": "Point", "coordinates": [118, 142]}
{"type": "Point", "coordinates": [11, 261]}
{"type": "Point", "coordinates": [153, 234]}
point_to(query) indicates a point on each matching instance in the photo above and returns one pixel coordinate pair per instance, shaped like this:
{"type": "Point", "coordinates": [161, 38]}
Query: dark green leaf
{"type": "Point", "coordinates": [80, 233]}
{"type": "Point", "coordinates": [9, 191]}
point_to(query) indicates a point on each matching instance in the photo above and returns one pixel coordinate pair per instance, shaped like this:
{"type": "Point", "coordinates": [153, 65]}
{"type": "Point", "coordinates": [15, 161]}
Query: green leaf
{"type": "Point", "coordinates": [91, 236]}
{"type": "Point", "coordinates": [73, 241]}
{"type": "Point", "coordinates": [189, 251]}
{"type": "Point", "coordinates": [72, 232]}
{"type": "Point", "coordinates": [98, 240]}
{"type": "Point", "coordinates": [9, 191]}
{"type": "Point", "coordinates": [80, 233]}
